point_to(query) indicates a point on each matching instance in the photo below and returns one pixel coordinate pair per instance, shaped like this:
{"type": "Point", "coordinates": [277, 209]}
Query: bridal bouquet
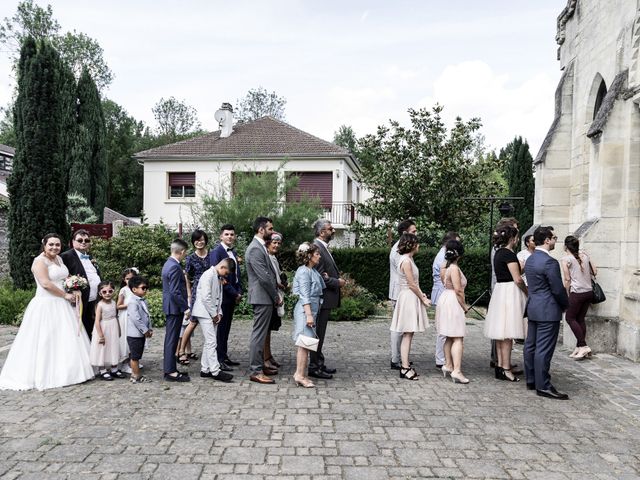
{"type": "Point", "coordinates": [75, 283]}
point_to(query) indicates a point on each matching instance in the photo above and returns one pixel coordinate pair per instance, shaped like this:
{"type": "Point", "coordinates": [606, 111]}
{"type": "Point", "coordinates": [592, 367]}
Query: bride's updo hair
{"type": "Point", "coordinates": [408, 242]}
{"type": "Point", "coordinates": [46, 239]}
{"type": "Point", "coordinates": [453, 251]}
{"type": "Point", "coordinates": [305, 252]}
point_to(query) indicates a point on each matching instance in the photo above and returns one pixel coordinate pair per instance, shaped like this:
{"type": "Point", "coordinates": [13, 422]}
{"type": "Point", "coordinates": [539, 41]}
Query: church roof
{"type": "Point", "coordinates": [264, 137]}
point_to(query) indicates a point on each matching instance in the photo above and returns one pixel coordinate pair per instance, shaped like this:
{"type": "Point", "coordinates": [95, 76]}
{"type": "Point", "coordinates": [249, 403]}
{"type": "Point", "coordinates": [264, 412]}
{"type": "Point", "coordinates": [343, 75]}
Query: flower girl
{"type": "Point", "coordinates": [124, 295]}
{"type": "Point", "coordinates": [105, 341]}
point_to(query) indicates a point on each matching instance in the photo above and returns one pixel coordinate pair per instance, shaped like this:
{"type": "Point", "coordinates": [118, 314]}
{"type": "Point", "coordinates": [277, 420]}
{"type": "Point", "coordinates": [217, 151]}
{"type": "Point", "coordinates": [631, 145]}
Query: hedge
{"type": "Point", "coordinates": [370, 268]}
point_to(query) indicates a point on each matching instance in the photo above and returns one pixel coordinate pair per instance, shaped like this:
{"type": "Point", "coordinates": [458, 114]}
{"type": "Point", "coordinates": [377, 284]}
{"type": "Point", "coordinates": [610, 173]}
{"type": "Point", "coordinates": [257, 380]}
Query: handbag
{"type": "Point", "coordinates": [598, 294]}
{"type": "Point", "coordinates": [310, 343]}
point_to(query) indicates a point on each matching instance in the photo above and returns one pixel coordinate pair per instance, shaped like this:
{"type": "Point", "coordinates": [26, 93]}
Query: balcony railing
{"type": "Point", "coordinates": [345, 213]}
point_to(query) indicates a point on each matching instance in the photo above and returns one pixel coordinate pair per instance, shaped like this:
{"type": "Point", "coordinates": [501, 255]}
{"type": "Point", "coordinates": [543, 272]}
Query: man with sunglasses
{"type": "Point", "coordinates": [79, 262]}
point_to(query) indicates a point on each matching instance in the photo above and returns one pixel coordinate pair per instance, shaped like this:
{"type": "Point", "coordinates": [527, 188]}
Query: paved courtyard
{"type": "Point", "coordinates": [365, 424]}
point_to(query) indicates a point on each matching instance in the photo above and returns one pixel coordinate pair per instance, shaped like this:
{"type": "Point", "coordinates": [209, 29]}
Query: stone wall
{"type": "Point", "coordinates": [4, 244]}
{"type": "Point", "coordinates": [587, 178]}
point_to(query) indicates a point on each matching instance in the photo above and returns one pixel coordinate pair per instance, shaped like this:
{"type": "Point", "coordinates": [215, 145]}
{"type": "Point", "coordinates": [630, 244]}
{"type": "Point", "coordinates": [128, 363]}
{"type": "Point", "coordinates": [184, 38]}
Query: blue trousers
{"type": "Point", "coordinates": [171, 337]}
{"type": "Point", "coordinates": [538, 351]}
{"type": "Point", "coordinates": [224, 327]}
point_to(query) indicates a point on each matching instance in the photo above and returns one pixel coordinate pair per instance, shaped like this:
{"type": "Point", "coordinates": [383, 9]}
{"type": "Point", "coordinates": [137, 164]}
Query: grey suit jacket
{"type": "Point", "coordinates": [331, 294]}
{"type": "Point", "coordinates": [262, 278]}
{"type": "Point", "coordinates": [547, 295]}
{"type": "Point", "coordinates": [208, 301]}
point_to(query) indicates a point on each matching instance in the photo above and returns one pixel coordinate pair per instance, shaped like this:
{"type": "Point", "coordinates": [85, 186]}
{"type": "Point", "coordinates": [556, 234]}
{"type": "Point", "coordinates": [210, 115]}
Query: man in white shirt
{"type": "Point", "coordinates": [406, 226]}
{"type": "Point", "coordinates": [79, 262]}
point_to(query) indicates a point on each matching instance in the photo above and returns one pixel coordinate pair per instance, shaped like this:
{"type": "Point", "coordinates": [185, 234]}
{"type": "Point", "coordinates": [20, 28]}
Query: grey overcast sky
{"type": "Point", "coordinates": [357, 62]}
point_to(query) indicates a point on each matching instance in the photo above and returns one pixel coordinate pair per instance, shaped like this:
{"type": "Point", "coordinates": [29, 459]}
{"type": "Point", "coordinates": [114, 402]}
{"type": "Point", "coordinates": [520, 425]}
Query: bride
{"type": "Point", "coordinates": [51, 348]}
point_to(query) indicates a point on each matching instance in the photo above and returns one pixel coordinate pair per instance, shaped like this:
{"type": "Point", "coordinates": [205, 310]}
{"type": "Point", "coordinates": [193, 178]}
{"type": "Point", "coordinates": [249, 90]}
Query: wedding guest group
{"type": "Point", "coordinates": [53, 347]}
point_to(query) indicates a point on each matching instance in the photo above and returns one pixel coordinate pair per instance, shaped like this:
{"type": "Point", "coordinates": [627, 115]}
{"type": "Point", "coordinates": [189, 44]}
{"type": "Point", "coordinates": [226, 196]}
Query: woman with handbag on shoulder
{"type": "Point", "coordinates": [576, 271]}
{"type": "Point", "coordinates": [308, 285]}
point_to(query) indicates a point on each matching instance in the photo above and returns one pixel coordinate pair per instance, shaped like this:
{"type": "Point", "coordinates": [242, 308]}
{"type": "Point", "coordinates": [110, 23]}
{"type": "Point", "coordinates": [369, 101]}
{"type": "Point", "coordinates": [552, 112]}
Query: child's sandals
{"type": "Point", "coordinates": [140, 379]}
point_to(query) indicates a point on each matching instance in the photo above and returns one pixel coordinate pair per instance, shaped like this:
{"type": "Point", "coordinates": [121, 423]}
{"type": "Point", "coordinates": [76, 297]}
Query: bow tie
{"type": "Point", "coordinates": [229, 249]}
{"type": "Point", "coordinates": [84, 256]}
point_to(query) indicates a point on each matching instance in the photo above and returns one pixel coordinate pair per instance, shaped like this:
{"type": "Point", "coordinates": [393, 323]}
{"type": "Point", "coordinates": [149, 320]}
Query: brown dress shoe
{"type": "Point", "coordinates": [269, 371]}
{"type": "Point", "coordinates": [261, 378]}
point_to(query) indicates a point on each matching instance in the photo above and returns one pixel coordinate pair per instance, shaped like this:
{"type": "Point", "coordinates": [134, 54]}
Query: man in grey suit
{"type": "Point", "coordinates": [262, 296]}
{"type": "Point", "coordinates": [547, 300]}
{"type": "Point", "coordinates": [327, 267]}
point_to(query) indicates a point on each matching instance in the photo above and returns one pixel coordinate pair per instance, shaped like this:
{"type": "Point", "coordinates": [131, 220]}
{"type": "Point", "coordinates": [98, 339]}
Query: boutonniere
{"type": "Point", "coordinates": [93, 260]}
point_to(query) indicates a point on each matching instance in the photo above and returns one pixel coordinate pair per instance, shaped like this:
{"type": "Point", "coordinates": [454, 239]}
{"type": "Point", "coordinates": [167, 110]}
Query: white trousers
{"type": "Point", "coordinates": [209, 358]}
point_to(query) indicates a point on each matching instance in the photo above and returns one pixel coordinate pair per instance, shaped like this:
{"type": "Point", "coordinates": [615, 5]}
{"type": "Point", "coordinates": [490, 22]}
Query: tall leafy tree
{"type": "Point", "coordinates": [124, 137]}
{"type": "Point", "coordinates": [424, 171]}
{"type": "Point", "coordinates": [345, 137]}
{"type": "Point", "coordinates": [78, 50]}
{"type": "Point", "coordinates": [88, 175]}
{"type": "Point", "coordinates": [258, 102]}
{"type": "Point", "coordinates": [175, 118]}
{"type": "Point", "coordinates": [519, 174]}
{"type": "Point", "coordinates": [37, 183]}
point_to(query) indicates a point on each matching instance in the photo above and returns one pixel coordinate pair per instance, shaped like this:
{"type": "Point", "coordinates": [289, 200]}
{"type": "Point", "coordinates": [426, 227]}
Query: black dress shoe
{"type": "Point", "coordinates": [438, 367]}
{"type": "Point", "coordinates": [225, 368]}
{"type": "Point", "coordinates": [531, 386]}
{"type": "Point", "coordinates": [395, 366]}
{"type": "Point", "coordinates": [223, 377]}
{"type": "Point", "coordinates": [206, 374]}
{"type": "Point", "coordinates": [178, 378]}
{"type": "Point", "coordinates": [328, 370]}
{"type": "Point", "coordinates": [320, 374]}
{"type": "Point", "coordinates": [552, 393]}
{"type": "Point", "coordinates": [228, 361]}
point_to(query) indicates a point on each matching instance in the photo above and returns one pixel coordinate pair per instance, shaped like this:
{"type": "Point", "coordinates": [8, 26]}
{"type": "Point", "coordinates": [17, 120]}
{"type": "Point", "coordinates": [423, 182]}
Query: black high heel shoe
{"type": "Point", "coordinates": [408, 373]}
{"type": "Point", "coordinates": [503, 375]}
{"type": "Point", "coordinates": [498, 372]}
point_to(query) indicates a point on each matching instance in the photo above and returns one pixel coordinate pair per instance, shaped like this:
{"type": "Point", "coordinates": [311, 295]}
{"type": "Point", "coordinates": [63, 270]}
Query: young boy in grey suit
{"type": "Point", "coordinates": [138, 325]}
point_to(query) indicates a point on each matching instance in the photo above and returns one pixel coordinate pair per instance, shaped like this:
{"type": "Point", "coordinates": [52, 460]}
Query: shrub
{"type": "Point", "coordinates": [370, 268]}
{"type": "Point", "coordinates": [154, 302]}
{"type": "Point", "coordinates": [13, 301]}
{"type": "Point", "coordinates": [356, 303]}
{"type": "Point", "coordinates": [144, 247]}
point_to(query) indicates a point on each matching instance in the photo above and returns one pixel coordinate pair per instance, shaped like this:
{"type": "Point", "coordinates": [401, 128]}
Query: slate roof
{"type": "Point", "coordinates": [264, 137]}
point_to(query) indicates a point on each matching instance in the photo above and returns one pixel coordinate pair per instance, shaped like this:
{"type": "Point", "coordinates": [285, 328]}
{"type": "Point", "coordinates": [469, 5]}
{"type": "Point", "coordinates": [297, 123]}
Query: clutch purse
{"type": "Point", "coordinates": [598, 294]}
{"type": "Point", "coordinates": [310, 343]}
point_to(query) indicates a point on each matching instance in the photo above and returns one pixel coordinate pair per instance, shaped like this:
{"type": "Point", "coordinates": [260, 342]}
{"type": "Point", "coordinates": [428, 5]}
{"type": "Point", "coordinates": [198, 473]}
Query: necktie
{"type": "Point", "coordinates": [84, 256]}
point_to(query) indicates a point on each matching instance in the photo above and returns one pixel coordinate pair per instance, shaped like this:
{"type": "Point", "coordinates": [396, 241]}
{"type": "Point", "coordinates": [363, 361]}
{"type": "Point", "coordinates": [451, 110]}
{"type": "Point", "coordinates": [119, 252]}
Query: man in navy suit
{"type": "Point", "coordinates": [174, 306]}
{"type": "Point", "coordinates": [547, 300]}
{"type": "Point", "coordinates": [231, 292]}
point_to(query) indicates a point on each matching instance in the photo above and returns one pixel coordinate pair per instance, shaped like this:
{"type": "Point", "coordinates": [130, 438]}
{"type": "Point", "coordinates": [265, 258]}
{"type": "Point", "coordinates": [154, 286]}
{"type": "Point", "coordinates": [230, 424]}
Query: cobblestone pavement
{"type": "Point", "coordinates": [365, 424]}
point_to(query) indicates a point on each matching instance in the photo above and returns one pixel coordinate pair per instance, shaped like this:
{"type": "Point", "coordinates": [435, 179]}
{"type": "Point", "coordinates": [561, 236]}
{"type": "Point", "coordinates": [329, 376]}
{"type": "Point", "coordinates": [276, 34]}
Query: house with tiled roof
{"type": "Point", "coordinates": [176, 174]}
{"type": "Point", "coordinates": [6, 163]}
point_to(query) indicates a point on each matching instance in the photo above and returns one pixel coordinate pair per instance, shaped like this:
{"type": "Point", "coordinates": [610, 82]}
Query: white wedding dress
{"type": "Point", "coordinates": [51, 349]}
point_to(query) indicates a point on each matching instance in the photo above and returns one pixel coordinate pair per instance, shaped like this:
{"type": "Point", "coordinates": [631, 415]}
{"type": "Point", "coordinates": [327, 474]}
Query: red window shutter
{"type": "Point", "coordinates": [314, 184]}
{"type": "Point", "coordinates": [182, 179]}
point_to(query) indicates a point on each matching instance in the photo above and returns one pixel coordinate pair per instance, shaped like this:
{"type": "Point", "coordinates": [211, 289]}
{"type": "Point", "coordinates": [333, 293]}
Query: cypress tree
{"type": "Point", "coordinates": [88, 174]}
{"type": "Point", "coordinates": [38, 197]}
{"type": "Point", "coordinates": [522, 184]}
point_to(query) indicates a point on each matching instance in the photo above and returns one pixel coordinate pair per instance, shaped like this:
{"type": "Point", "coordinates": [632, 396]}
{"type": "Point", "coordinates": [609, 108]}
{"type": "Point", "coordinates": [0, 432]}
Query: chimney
{"type": "Point", "coordinates": [224, 117]}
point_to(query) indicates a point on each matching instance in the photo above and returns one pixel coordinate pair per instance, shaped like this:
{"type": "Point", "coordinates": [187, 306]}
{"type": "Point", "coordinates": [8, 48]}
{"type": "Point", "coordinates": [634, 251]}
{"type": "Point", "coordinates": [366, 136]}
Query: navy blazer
{"type": "Point", "coordinates": [233, 288]}
{"type": "Point", "coordinates": [331, 293]}
{"type": "Point", "coordinates": [174, 288]}
{"type": "Point", "coordinates": [547, 295]}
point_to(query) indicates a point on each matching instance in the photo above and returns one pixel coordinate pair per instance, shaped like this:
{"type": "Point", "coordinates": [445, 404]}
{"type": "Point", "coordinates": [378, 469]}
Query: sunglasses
{"type": "Point", "coordinates": [144, 288]}
{"type": "Point", "coordinates": [83, 240]}
{"type": "Point", "coordinates": [106, 291]}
